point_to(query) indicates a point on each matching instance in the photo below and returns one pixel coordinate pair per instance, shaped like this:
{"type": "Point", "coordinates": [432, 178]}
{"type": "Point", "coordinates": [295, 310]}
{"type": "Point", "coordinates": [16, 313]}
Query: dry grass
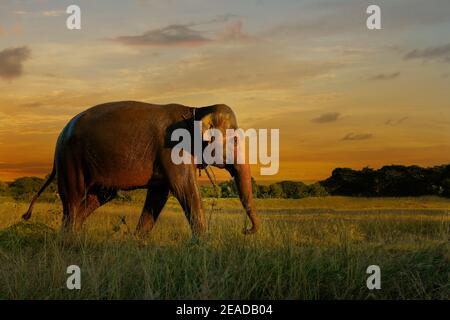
{"type": "Point", "coordinates": [315, 248]}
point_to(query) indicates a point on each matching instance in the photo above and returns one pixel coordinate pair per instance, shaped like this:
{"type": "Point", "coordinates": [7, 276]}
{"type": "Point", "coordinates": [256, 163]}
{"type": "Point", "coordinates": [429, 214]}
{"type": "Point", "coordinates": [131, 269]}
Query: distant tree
{"type": "Point", "coordinates": [25, 187]}
{"type": "Point", "coordinates": [4, 189]}
{"type": "Point", "coordinates": [294, 189]}
{"type": "Point", "coordinates": [228, 189]}
{"type": "Point", "coordinates": [263, 191]}
{"type": "Point", "coordinates": [401, 181]}
{"type": "Point", "coordinates": [345, 181]}
{"type": "Point", "coordinates": [446, 188]}
{"type": "Point", "coordinates": [388, 181]}
{"type": "Point", "coordinates": [275, 190]}
{"type": "Point", "coordinates": [208, 191]}
{"type": "Point", "coordinates": [317, 190]}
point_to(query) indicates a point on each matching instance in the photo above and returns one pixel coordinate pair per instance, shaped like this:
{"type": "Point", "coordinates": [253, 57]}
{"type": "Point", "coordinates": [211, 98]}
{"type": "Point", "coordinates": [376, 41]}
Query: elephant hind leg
{"type": "Point", "coordinates": [77, 208]}
{"type": "Point", "coordinates": [95, 198]}
{"type": "Point", "coordinates": [85, 208]}
{"type": "Point", "coordinates": [154, 203]}
{"type": "Point", "coordinates": [71, 197]}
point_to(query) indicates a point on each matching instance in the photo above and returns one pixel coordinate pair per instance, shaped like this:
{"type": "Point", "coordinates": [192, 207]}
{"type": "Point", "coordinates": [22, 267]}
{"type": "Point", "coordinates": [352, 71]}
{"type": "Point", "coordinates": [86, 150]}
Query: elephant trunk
{"type": "Point", "coordinates": [242, 176]}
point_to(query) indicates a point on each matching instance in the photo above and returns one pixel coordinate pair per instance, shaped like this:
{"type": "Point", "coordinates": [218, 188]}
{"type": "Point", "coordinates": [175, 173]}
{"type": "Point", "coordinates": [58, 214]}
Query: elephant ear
{"type": "Point", "coordinates": [219, 117]}
{"type": "Point", "coordinates": [207, 123]}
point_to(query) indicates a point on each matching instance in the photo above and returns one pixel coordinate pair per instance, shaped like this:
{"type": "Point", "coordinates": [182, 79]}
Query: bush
{"type": "Point", "coordinates": [208, 191]}
{"type": "Point", "coordinates": [317, 190]}
{"type": "Point", "coordinates": [294, 189]}
{"type": "Point", "coordinates": [228, 189]}
{"type": "Point", "coordinates": [275, 190]}
{"type": "Point", "coordinates": [446, 188]}
{"type": "Point", "coordinates": [4, 189]}
{"type": "Point", "coordinates": [24, 188]}
{"type": "Point", "coordinates": [263, 191]}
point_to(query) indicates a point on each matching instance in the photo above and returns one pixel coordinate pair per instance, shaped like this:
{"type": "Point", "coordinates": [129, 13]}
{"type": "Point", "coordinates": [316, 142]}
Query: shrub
{"type": "Point", "coordinates": [275, 190]}
{"type": "Point", "coordinates": [317, 190]}
{"type": "Point", "coordinates": [208, 191]}
{"type": "Point", "coordinates": [228, 189]}
{"type": "Point", "coordinates": [24, 188]}
{"type": "Point", "coordinates": [446, 188]}
{"type": "Point", "coordinates": [4, 189]}
{"type": "Point", "coordinates": [294, 189]}
{"type": "Point", "coordinates": [263, 191]}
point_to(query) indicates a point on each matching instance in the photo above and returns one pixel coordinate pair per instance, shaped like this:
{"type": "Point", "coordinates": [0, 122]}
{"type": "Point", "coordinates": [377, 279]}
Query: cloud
{"type": "Point", "coordinates": [394, 122]}
{"type": "Point", "coordinates": [327, 117]}
{"type": "Point", "coordinates": [26, 168]}
{"type": "Point", "coordinates": [31, 105]}
{"type": "Point", "coordinates": [432, 53]}
{"type": "Point", "coordinates": [357, 136]}
{"type": "Point", "coordinates": [185, 35]}
{"type": "Point", "coordinates": [385, 76]}
{"type": "Point", "coordinates": [46, 13]}
{"type": "Point", "coordinates": [11, 62]}
{"type": "Point", "coordinates": [233, 31]}
{"type": "Point", "coordinates": [53, 13]}
{"type": "Point", "coordinates": [173, 35]}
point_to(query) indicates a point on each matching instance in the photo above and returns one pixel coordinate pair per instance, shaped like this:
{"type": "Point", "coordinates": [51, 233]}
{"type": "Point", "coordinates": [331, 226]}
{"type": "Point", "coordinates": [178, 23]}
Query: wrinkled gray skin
{"type": "Point", "coordinates": [126, 145]}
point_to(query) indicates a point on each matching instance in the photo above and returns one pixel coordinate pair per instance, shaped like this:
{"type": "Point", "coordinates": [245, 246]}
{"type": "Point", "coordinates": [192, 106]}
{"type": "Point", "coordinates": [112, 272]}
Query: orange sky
{"type": "Point", "coordinates": [340, 94]}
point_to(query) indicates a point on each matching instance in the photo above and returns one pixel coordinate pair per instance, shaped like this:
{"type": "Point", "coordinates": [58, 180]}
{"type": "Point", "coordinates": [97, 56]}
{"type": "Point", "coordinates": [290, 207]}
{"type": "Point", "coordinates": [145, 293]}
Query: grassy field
{"type": "Point", "coordinates": [314, 248]}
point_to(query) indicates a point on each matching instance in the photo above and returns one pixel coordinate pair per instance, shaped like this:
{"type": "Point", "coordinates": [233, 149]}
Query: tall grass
{"type": "Point", "coordinates": [304, 255]}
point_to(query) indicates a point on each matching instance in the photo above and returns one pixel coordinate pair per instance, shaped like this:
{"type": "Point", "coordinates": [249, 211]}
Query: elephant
{"type": "Point", "coordinates": [126, 145]}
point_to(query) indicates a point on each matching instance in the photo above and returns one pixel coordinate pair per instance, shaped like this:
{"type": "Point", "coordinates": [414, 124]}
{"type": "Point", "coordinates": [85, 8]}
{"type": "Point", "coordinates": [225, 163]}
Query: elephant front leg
{"type": "Point", "coordinates": [183, 185]}
{"type": "Point", "coordinates": [154, 203]}
{"type": "Point", "coordinates": [189, 198]}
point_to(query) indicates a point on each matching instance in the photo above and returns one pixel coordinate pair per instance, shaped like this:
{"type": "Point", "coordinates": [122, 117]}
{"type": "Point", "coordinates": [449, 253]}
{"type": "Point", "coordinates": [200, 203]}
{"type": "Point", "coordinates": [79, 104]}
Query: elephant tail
{"type": "Point", "coordinates": [52, 175]}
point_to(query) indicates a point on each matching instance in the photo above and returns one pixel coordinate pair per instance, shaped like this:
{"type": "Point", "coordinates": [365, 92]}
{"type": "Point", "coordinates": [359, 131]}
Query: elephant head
{"type": "Point", "coordinates": [221, 118]}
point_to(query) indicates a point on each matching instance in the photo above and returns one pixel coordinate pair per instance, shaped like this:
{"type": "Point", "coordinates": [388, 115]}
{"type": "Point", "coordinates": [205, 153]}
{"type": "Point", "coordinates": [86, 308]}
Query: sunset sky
{"type": "Point", "coordinates": [341, 95]}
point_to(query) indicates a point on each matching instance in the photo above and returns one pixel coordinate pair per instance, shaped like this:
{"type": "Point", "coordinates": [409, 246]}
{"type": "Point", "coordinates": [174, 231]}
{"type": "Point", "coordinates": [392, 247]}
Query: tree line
{"type": "Point", "coordinates": [388, 181]}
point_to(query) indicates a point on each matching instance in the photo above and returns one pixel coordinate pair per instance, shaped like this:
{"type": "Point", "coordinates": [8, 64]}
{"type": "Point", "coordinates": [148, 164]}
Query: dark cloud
{"type": "Point", "coordinates": [327, 117]}
{"type": "Point", "coordinates": [11, 62]}
{"type": "Point", "coordinates": [432, 53]}
{"type": "Point", "coordinates": [394, 122]}
{"type": "Point", "coordinates": [385, 76]}
{"type": "Point", "coordinates": [31, 105]}
{"type": "Point", "coordinates": [173, 35]}
{"type": "Point", "coordinates": [27, 168]}
{"type": "Point", "coordinates": [357, 136]}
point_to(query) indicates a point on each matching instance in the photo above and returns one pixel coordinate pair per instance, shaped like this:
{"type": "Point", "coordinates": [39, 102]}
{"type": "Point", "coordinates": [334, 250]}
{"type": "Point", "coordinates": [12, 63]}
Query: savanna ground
{"type": "Point", "coordinates": [312, 248]}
